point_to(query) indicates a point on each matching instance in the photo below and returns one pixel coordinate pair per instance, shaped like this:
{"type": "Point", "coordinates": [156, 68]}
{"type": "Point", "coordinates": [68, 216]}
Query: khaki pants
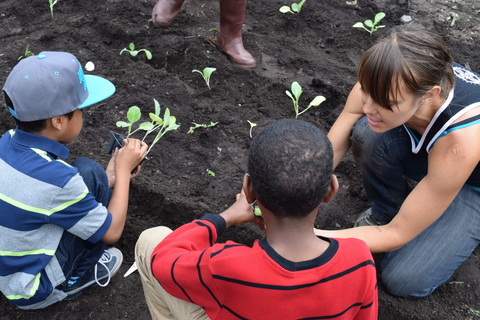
{"type": "Point", "coordinates": [161, 304]}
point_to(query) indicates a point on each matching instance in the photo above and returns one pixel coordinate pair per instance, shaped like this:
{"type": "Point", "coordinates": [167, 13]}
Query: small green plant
{"type": "Point", "coordinates": [251, 127]}
{"type": "Point", "coordinates": [210, 172]}
{"type": "Point", "coordinates": [472, 311]}
{"type": "Point", "coordinates": [52, 3]}
{"type": "Point", "coordinates": [156, 124]}
{"type": "Point", "coordinates": [203, 125]}
{"type": "Point", "coordinates": [373, 25]}
{"type": "Point", "coordinates": [27, 53]}
{"type": "Point", "coordinates": [296, 91]}
{"type": "Point", "coordinates": [296, 7]}
{"type": "Point", "coordinates": [134, 53]}
{"type": "Point", "coordinates": [206, 73]}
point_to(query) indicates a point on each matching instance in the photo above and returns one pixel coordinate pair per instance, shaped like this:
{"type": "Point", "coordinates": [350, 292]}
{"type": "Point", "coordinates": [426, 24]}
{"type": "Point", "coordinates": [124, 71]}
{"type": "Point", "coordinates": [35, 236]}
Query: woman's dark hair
{"type": "Point", "coordinates": [30, 126]}
{"type": "Point", "coordinates": [290, 165]}
{"type": "Point", "coordinates": [411, 56]}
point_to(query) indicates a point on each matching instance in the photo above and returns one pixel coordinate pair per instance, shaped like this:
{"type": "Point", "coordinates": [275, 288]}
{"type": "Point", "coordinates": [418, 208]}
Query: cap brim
{"type": "Point", "coordinates": [98, 89]}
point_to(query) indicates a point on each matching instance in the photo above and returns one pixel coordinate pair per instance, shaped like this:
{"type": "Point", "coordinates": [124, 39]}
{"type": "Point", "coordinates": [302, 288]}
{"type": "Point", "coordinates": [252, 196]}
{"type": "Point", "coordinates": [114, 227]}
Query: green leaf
{"type": "Point", "coordinates": [358, 25]}
{"type": "Point", "coordinates": [131, 46]}
{"type": "Point", "coordinates": [296, 89]}
{"type": "Point", "coordinates": [157, 108]}
{"type": "Point", "coordinates": [285, 9]}
{"type": "Point", "coordinates": [123, 124]}
{"type": "Point", "coordinates": [296, 8]}
{"type": "Point", "coordinates": [368, 23]}
{"type": "Point", "coordinates": [148, 54]}
{"type": "Point", "coordinates": [134, 114]}
{"type": "Point", "coordinates": [147, 126]}
{"type": "Point", "coordinates": [166, 117]}
{"type": "Point", "coordinates": [208, 71]}
{"type": "Point", "coordinates": [134, 53]}
{"type": "Point", "coordinates": [290, 95]}
{"type": "Point", "coordinates": [379, 16]}
{"type": "Point", "coordinates": [300, 5]}
{"type": "Point", "coordinates": [156, 119]}
{"type": "Point", "coordinates": [317, 101]}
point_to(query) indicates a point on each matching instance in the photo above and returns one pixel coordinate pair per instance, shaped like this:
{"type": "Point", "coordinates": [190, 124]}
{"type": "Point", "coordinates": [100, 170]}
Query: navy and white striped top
{"type": "Point", "coordinates": [40, 197]}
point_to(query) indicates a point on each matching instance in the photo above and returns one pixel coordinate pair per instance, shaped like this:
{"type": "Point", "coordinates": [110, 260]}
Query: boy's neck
{"type": "Point", "coordinates": [294, 239]}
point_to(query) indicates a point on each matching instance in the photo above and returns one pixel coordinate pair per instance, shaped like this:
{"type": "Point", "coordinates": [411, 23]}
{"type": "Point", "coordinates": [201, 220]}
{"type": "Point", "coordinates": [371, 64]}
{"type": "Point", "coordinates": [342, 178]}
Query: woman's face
{"type": "Point", "coordinates": [380, 119]}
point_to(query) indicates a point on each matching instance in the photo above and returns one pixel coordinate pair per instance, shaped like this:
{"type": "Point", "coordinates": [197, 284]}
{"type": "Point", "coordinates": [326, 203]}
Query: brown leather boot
{"type": "Point", "coordinates": [165, 11]}
{"type": "Point", "coordinates": [229, 39]}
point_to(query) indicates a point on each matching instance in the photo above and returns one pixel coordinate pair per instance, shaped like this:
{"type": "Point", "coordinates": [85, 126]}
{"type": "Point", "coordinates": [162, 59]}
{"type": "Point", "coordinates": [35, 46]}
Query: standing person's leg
{"type": "Point", "coordinates": [229, 38]}
{"type": "Point", "coordinates": [385, 159]}
{"type": "Point", "coordinates": [161, 304]}
{"type": "Point", "coordinates": [165, 11]}
{"type": "Point", "coordinates": [430, 259]}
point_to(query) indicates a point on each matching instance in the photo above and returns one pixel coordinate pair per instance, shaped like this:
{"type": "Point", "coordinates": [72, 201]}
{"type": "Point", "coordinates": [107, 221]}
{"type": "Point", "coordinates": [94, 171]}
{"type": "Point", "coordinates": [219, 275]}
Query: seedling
{"type": "Point", "coordinates": [295, 96]}
{"type": "Point", "coordinates": [373, 25]}
{"type": "Point", "coordinates": [256, 209]}
{"type": "Point", "coordinates": [134, 53]}
{"type": "Point", "coordinates": [296, 7]}
{"type": "Point", "coordinates": [27, 53]}
{"type": "Point", "coordinates": [210, 172]}
{"type": "Point", "coordinates": [251, 127]}
{"type": "Point", "coordinates": [157, 124]}
{"type": "Point", "coordinates": [52, 3]}
{"type": "Point", "coordinates": [203, 125]}
{"type": "Point", "coordinates": [207, 72]}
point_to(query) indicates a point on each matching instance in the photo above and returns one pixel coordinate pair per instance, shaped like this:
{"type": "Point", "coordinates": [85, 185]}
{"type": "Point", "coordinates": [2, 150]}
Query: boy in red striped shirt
{"type": "Point", "coordinates": [291, 273]}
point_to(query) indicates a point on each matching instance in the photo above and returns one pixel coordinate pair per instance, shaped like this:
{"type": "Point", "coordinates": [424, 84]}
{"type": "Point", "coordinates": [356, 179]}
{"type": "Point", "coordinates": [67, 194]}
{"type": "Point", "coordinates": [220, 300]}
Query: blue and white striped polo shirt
{"type": "Point", "coordinates": [40, 197]}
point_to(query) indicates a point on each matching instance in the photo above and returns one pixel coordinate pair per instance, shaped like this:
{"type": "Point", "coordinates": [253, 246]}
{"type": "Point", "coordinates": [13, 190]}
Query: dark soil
{"type": "Point", "coordinates": [318, 48]}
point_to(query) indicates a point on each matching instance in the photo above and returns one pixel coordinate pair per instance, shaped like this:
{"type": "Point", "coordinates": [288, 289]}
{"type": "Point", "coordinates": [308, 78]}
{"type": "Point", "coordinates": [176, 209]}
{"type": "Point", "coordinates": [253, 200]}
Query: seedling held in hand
{"type": "Point", "coordinates": [295, 96]}
{"type": "Point", "coordinates": [157, 124]}
{"type": "Point", "coordinates": [296, 7]}
{"type": "Point", "coordinates": [373, 25]}
{"type": "Point", "coordinates": [207, 72]}
{"type": "Point", "coordinates": [256, 209]}
{"type": "Point", "coordinates": [134, 53]}
{"type": "Point", "coordinates": [203, 125]}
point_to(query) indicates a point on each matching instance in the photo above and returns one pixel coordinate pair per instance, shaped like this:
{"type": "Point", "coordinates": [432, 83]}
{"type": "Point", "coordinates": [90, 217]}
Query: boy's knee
{"type": "Point", "coordinates": [150, 238]}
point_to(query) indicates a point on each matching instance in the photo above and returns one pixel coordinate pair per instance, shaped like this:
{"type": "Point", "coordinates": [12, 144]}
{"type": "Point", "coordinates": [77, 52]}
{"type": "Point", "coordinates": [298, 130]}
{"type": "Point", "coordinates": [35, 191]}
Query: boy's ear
{"type": "Point", "coordinates": [332, 189]}
{"type": "Point", "coordinates": [57, 122]}
{"type": "Point", "coordinates": [248, 190]}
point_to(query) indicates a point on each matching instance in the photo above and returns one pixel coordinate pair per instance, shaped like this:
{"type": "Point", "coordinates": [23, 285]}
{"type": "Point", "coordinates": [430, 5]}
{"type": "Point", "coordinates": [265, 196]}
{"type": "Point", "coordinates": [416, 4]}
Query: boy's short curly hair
{"type": "Point", "coordinates": [290, 165]}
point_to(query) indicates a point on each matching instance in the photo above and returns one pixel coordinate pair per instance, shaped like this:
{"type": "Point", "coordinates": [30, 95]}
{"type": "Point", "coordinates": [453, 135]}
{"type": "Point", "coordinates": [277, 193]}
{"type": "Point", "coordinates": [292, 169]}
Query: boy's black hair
{"type": "Point", "coordinates": [30, 126]}
{"type": "Point", "coordinates": [290, 165]}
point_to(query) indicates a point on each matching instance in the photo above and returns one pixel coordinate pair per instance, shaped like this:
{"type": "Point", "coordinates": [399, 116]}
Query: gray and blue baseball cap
{"type": "Point", "coordinates": [51, 84]}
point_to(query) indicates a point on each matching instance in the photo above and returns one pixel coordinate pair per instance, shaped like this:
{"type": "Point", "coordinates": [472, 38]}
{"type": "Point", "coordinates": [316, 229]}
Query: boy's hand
{"type": "Point", "coordinates": [129, 156]}
{"type": "Point", "coordinates": [240, 212]}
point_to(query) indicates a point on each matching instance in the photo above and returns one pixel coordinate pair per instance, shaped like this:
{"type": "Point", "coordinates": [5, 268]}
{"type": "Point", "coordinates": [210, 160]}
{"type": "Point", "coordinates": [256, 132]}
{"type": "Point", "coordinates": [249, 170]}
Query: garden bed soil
{"type": "Point", "coordinates": [318, 48]}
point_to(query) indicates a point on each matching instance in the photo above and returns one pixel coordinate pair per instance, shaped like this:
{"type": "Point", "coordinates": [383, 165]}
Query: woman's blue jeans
{"type": "Point", "coordinates": [75, 255]}
{"type": "Point", "coordinates": [429, 260]}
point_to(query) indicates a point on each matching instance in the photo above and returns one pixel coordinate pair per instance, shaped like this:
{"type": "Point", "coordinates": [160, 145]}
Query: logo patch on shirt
{"type": "Point", "coordinates": [467, 75]}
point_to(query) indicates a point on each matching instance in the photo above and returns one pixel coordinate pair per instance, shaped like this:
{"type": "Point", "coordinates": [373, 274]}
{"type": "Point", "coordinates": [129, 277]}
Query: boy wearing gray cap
{"type": "Point", "coordinates": [56, 218]}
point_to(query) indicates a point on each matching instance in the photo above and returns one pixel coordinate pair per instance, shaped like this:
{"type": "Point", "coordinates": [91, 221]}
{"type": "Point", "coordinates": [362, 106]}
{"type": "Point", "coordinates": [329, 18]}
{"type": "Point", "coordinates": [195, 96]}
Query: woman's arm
{"type": "Point", "coordinates": [450, 163]}
{"type": "Point", "coordinates": [341, 130]}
